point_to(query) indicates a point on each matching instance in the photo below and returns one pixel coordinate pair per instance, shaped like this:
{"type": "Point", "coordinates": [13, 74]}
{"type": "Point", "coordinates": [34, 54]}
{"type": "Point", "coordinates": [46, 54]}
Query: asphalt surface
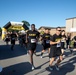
{"type": "Point", "coordinates": [17, 62]}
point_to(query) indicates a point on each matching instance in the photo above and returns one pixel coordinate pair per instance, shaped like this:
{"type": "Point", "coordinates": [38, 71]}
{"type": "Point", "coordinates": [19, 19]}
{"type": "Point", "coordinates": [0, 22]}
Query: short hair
{"type": "Point", "coordinates": [46, 28]}
{"type": "Point", "coordinates": [63, 31]}
{"type": "Point", "coordinates": [58, 27]}
{"type": "Point", "coordinates": [33, 25]}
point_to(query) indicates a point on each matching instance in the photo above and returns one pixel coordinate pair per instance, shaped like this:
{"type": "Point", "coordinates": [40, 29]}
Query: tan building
{"type": "Point", "coordinates": [52, 29]}
{"type": "Point", "coordinates": [70, 25]}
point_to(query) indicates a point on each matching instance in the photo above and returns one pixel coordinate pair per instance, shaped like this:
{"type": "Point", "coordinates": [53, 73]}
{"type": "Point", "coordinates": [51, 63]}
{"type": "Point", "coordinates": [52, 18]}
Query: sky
{"type": "Point", "coordinates": [51, 13]}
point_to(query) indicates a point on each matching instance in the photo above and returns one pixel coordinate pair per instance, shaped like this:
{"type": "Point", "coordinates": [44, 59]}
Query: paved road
{"type": "Point", "coordinates": [17, 62]}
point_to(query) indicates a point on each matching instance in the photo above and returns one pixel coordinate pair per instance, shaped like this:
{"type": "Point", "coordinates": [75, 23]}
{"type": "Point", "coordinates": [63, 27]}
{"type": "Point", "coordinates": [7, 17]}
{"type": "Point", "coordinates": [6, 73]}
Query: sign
{"type": "Point", "coordinates": [16, 23]}
{"type": "Point", "coordinates": [15, 27]}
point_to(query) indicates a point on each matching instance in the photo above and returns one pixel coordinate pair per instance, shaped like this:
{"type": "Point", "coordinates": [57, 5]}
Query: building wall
{"type": "Point", "coordinates": [74, 23]}
{"type": "Point", "coordinates": [42, 29]}
{"type": "Point", "coordinates": [70, 23]}
{"type": "Point", "coordinates": [52, 30]}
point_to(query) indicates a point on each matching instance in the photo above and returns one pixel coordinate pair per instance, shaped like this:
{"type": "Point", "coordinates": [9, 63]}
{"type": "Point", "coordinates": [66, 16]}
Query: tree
{"type": "Point", "coordinates": [0, 29]}
{"type": "Point", "coordinates": [26, 23]}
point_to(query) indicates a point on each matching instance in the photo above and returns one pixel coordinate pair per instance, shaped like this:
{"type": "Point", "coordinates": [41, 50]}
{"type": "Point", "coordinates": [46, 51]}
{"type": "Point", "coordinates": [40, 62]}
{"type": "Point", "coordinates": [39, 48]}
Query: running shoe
{"type": "Point", "coordinates": [33, 67]}
{"type": "Point", "coordinates": [57, 68]}
{"type": "Point", "coordinates": [63, 57]}
{"type": "Point", "coordinates": [41, 56]}
{"type": "Point", "coordinates": [50, 67]}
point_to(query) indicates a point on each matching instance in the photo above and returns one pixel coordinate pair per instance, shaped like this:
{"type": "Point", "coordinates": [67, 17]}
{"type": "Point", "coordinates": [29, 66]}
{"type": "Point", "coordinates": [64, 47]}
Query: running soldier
{"type": "Point", "coordinates": [55, 49]}
{"type": "Point", "coordinates": [13, 37]}
{"type": "Point", "coordinates": [46, 42]}
{"type": "Point", "coordinates": [32, 38]}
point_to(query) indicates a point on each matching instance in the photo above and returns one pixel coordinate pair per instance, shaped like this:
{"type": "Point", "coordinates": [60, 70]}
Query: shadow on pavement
{"type": "Point", "coordinates": [66, 67]}
{"type": "Point", "coordinates": [17, 69]}
{"type": "Point", "coordinates": [39, 67]}
{"type": "Point", "coordinates": [6, 52]}
{"type": "Point", "coordinates": [38, 48]}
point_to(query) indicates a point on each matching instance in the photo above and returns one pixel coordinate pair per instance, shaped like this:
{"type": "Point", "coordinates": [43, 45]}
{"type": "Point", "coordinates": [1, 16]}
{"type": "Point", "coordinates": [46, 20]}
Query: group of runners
{"type": "Point", "coordinates": [11, 37]}
{"type": "Point", "coordinates": [54, 43]}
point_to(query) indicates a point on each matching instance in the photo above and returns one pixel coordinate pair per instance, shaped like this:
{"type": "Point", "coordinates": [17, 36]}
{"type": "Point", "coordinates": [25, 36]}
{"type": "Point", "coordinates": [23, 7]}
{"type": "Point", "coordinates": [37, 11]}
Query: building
{"type": "Point", "coordinates": [71, 26]}
{"type": "Point", "coordinates": [70, 23]}
{"type": "Point", "coordinates": [52, 29]}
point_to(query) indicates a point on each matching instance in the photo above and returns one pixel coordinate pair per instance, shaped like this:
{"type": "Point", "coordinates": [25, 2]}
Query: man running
{"type": "Point", "coordinates": [63, 41]}
{"type": "Point", "coordinates": [55, 49]}
{"type": "Point", "coordinates": [13, 37]}
{"type": "Point", "coordinates": [32, 38]}
{"type": "Point", "coordinates": [45, 42]}
{"type": "Point", "coordinates": [7, 39]}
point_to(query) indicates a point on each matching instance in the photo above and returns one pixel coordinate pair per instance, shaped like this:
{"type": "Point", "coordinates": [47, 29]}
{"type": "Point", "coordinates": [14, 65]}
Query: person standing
{"type": "Point", "coordinates": [68, 40]}
{"type": "Point", "coordinates": [32, 38]}
{"type": "Point", "coordinates": [45, 42]}
{"type": "Point", "coordinates": [55, 50]}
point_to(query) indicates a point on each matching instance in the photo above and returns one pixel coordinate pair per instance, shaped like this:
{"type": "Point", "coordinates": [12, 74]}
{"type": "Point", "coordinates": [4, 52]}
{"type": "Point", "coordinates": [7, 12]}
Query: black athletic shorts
{"type": "Point", "coordinates": [62, 45]}
{"type": "Point", "coordinates": [32, 46]}
{"type": "Point", "coordinates": [23, 40]}
{"type": "Point", "coordinates": [13, 42]}
{"type": "Point", "coordinates": [45, 46]}
{"type": "Point", "coordinates": [7, 39]}
{"type": "Point", "coordinates": [54, 51]}
{"type": "Point", "coordinates": [67, 42]}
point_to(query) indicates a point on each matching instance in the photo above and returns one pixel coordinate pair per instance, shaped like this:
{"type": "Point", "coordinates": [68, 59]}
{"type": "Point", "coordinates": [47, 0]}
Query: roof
{"type": "Point", "coordinates": [46, 27]}
{"type": "Point", "coordinates": [71, 18]}
{"type": "Point", "coordinates": [49, 27]}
